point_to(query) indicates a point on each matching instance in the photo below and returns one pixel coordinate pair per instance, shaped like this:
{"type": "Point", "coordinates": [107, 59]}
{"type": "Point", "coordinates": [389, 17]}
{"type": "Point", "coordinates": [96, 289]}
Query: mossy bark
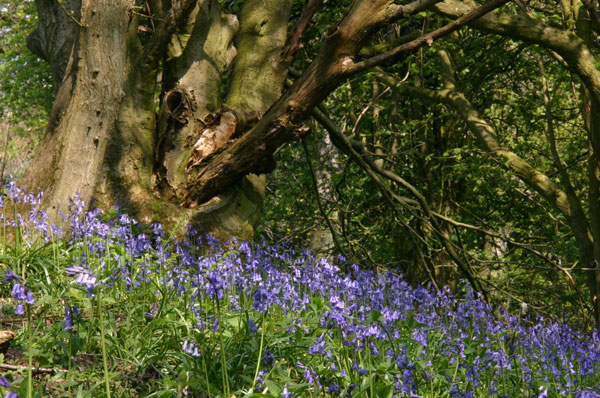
{"type": "Point", "coordinates": [106, 139]}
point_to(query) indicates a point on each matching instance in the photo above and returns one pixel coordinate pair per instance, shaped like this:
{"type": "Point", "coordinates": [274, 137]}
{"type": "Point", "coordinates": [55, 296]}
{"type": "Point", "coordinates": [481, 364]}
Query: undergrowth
{"type": "Point", "coordinates": [115, 308]}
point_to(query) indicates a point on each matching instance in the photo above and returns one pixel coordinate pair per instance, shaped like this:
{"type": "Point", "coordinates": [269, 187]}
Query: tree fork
{"type": "Point", "coordinates": [253, 152]}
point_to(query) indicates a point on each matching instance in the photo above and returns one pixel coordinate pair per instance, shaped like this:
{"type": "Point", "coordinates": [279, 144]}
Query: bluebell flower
{"type": "Point", "coordinates": [4, 382]}
{"type": "Point", "coordinates": [333, 387]}
{"type": "Point", "coordinates": [11, 394]}
{"type": "Point", "coordinates": [84, 277]}
{"type": "Point", "coordinates": [586, 394]}
{"type": "Point", "coordinates": [268, 358]}
{"type": "Point", "coordinates": [285, 393]}
{"type": "Point", "coordinates": [261, 299]}
{"type": "Point", "coordinates": [215, 285]}
{"type": "Point", "coordinates": [349, 390]}
{"type": "Point", "coordinates": [18, 292]}
{"type": "Point", "coordinates": [191, 348]}
{"type": "Point", "coordinates": [153, 311]}
{"type": "Point", "coordinates": [29, 297]}
{"type": "Point", "coordinates": [252, 326]}
{"type": "Point", "coordinates": [10, 276]}
{"type": "Point", "coordinates": [68, 318]}
{"type": "Point", "coordinates": [260, 380]}
{"type": "Point", "coordinates": [309, 374]}
{"type": "Point", "coordinates": [318, 347]}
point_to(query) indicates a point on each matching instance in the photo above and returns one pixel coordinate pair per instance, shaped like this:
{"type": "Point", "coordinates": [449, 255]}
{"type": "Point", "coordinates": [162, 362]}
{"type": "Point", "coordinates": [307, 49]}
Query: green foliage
{"type": "Point", "coordinates": [26, 90]}
{"type": "Point", "coordinates": [173, 318]}
{"type": "Point", "coordinates": [515, 240]}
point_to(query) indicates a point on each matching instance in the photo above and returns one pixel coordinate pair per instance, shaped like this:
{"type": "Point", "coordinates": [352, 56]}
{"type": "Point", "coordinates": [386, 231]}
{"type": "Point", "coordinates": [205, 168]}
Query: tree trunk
{"type": "Point", "coordinates": [87, 105]}
{"type": "Point", "coordinates": [105, 139]}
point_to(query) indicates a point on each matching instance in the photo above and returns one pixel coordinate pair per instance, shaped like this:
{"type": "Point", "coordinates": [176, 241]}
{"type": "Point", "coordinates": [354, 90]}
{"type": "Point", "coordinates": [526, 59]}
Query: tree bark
{"type": "Point", "coordinates": [139, 158]}
{"type": "Point", "coordinates": [87, 105]}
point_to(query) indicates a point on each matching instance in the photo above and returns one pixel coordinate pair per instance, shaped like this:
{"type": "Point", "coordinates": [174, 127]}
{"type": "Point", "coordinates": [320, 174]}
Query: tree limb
{"type": "Point", "coordinates": [428, 38]}
{"type": "Point", "coordinates": [573, 50]}
{"type": "Point", "coordinates": [357, 151]}
{"type": "Point", "coordinates": [294, 42]}
{"type": "Point", "coordinates": [167, 27]}
{"type": "Point", "coordinates": [253, 152]}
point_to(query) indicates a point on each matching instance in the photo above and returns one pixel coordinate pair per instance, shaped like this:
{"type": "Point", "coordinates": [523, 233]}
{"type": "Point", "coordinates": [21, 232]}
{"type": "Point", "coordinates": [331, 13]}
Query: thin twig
{"type": "Point", "coordinates": [362, 113]}
{"type": "Point", "coordinates": [294, 43]}
{"type": "Point", "coordinates": [319, 203]}
{"type": "Point", "coordinates": [69, 14]}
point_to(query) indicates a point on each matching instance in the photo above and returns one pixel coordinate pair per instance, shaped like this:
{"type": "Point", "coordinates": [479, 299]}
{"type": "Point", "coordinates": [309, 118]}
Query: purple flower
{"type": "Point", "coordinates": [18, 292]}
{"type": "Point", "coordinates": [29, 297]}
{"type": "Point", "coordinates": [191, 348]}
{"type": "Point", "coordinates": [11, 394]}
{"type": "Point", "coordinates": [260, 380]}
{"type": "Point", "coordinates": [69, 312]}
{"type": "Point", "coordinates": [252, 326]}
{"type": "Point", "coordinates": [261, 298]}
{"type": "Point", "coordinates": [153, 311]}
{"type": "Point", "coordinates": [333, 388]}
{"type": "Point", "coordinates": [349, 390]}
{"type": "Point", "coordinates": [318, 347]}
{"type": "Point", "coordinates": [215, 285]}
{"type": "Point", "coordinates": [285, 393]}
{"type": "Point", "coordinates": [10, 276]}
{"type": "Point", "coordinates": [4, 382]}
{"type": "Point", "coordinates": [85, 277]}
{"type": "Point", "coordinates": [268, 358]}
{"type": "Point", "coordinates": [309, 374]}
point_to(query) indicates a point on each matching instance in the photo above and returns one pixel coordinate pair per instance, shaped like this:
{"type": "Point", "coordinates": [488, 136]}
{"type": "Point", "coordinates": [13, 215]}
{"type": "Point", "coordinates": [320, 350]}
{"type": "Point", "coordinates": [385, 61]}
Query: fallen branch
{"type": "Point", "coordinates": [34, 370]}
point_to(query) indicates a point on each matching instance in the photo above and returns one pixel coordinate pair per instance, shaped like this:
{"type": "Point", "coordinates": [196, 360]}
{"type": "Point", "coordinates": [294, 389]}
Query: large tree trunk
{"type": "Point", "coordinates": [105, 139]}
{"type": "Point", "coordinates": [87, 104]}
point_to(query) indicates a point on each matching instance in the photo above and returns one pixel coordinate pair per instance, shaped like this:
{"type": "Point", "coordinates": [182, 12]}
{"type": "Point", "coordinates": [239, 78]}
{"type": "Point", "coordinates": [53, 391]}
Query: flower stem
{"type": "Point", "coordinates": [69, 366]}
{"type": "Point", "coordinates": [223, 358]}
{"type": "Point", "coordinates": [260, 351]}
{"type": "Point", "coordinates": [29, 354]}
{"type": "Point", "coordinates": [103, 342]}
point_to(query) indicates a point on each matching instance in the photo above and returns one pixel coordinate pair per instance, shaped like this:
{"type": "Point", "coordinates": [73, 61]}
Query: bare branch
{"type": "Point", "coordinates": [294, 42]}
{"type": "Point", "coordinates": [428, 38]}
{"type": "Point", "coordinates": [357, 151]}
{"type": "Point", "coordinates": [34, 371]}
